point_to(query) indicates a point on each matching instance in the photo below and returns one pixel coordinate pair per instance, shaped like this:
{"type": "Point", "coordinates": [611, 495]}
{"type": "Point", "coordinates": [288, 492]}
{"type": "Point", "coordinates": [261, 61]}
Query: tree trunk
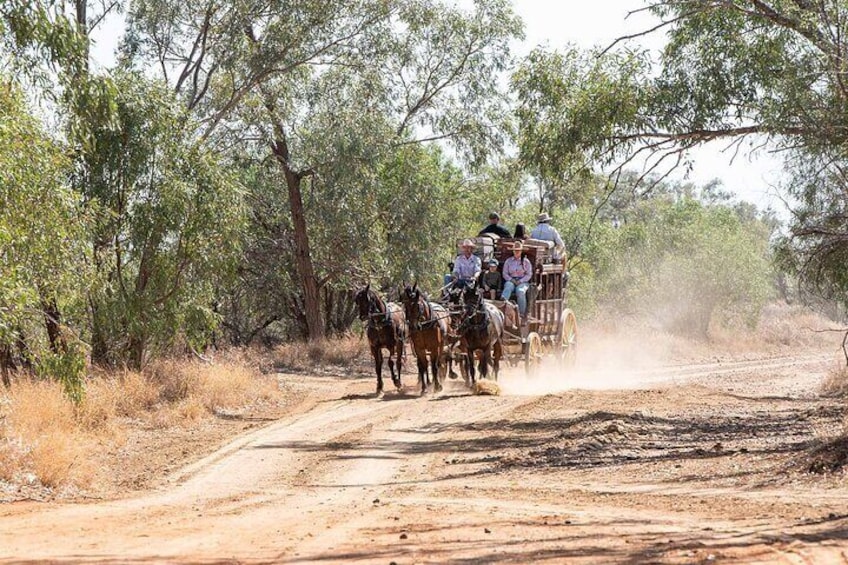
{"type": "Point", "coordinates": [23, 349]}
{"type": "Point", "coordinates": [303, 258]}
{"type": "Point", "coordinates": [7, 364]}
{"type": "Point", "coordinates": [52, 323]}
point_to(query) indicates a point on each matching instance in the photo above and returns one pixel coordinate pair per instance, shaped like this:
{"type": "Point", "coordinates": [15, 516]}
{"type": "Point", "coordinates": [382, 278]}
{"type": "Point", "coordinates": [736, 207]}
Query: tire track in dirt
{"type": "Point", "coordinates": [352, 475]}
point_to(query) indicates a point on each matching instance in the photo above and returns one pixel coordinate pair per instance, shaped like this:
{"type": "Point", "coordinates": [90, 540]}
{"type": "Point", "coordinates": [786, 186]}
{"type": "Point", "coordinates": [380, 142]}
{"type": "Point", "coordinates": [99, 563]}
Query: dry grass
{"type": "Point", "coordinates": [345, 352]}
{"type": "Point", "coordinates": [835, 383]}
{"type": "Point", "coordinates": [44, 438]}
{"type": "Point", "coordinates": [486, 388]}
{"type": "Point", "coordinates": [787, 325]}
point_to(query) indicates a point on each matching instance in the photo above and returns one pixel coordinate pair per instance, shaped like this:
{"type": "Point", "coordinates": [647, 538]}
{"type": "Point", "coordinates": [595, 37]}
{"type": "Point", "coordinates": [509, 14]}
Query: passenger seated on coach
{"type": "Point", "coordinates": [448, 278]}
{"type": "Point", "coordinates": [517, 272]}
{"type": "Point", "coordinates": [491, 280]}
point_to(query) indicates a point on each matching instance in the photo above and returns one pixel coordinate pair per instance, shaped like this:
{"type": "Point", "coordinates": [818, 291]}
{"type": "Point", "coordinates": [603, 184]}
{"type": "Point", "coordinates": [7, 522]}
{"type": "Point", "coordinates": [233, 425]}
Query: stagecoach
{"type": "Point", "coordinates": [550, 327]}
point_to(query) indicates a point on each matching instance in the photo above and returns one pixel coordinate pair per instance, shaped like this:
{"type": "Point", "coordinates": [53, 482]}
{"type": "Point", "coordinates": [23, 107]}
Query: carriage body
{"type": "Point", "coordinates": [550, 328]}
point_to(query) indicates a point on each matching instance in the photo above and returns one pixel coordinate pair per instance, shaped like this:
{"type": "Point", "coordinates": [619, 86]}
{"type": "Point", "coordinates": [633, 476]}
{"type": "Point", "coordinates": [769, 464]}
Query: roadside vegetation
{"type": "Point", "coordinates": [243, 168]}
{"type": "Point", "coordinates": [48, 440]}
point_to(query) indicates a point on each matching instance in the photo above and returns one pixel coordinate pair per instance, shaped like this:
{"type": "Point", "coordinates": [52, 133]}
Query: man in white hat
{"type": "Point", "coordinates": [544, 231]}
{"type": "Point", "coordinates": [466, 266]}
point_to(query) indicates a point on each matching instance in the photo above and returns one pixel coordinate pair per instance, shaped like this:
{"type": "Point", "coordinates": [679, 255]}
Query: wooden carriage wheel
{"type": "Point", "coordinates": [532, 354]}
{"type": "Point", "coordinates": [568, 338]}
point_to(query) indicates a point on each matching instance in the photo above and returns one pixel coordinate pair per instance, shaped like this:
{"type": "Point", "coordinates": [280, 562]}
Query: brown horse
{"type": "Point", "coordinates": [386, 329]}
{"type": "Point", "coordinates": [428, 330]}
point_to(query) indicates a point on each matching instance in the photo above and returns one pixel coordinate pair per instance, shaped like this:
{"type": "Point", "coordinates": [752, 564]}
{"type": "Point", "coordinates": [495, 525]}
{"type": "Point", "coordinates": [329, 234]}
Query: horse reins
{"type": "Point", "coordinates": [430, 321]}
{"type": "Point", "coordinates": [466, 322]}
{"type": "Point", "coordinates": [374, 303]}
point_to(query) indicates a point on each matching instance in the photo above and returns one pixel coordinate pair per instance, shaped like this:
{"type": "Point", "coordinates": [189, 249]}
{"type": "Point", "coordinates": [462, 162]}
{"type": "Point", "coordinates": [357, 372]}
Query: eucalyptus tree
{"type": "Point", "coordinates": [166, 222]}
{"type": "Point", "coordinates": [268, 77]}
{"type": "Point", "coordinates": [755, 73]}
{"type": "Point", "coordinates": [42, 237]}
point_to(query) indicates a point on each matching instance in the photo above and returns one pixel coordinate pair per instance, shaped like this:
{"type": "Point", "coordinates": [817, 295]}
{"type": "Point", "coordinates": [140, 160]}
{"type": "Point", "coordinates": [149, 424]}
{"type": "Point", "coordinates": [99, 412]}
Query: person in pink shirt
{"type": "Point", "coordinates": [517, 272]}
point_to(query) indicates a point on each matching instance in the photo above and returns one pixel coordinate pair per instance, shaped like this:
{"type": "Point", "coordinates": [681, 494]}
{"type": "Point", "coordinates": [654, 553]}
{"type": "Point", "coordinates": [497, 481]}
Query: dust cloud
{"type": "Point", "coordinates": [605, 361]}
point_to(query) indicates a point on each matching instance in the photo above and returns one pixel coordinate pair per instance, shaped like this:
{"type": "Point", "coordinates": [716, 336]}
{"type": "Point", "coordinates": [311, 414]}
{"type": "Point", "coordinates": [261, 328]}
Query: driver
{"type": "Point", "coordinates": [466, 266]}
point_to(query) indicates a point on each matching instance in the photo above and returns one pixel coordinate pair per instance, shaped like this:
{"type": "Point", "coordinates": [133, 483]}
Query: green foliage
{"type": "Point", "coordinates": [68, 367]}
{"type": "Point", "coordinates": [167, 219]}
{"type": "Point", "coordinates": [42, 228]}
{"type": "Point", "coordinates": [32, 32]}
{"type": "Point", "coordinates": [763, 73]}
{"type": "Point", "coordinates": [570, 107]}
{"type": "Point", "coordinates": [681, 263]}
{"type": "Point", "coordinates": [352, 97]}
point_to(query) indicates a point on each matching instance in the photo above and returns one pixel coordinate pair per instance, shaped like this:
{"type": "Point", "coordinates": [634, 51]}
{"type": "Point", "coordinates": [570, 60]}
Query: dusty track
{"type": "Point", "coordinates": [694, 463]}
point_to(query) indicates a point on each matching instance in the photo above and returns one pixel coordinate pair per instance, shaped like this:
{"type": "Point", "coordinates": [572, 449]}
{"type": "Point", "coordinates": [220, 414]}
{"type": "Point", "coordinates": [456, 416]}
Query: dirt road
{"type": "Point", "coordinates": [693, 463]}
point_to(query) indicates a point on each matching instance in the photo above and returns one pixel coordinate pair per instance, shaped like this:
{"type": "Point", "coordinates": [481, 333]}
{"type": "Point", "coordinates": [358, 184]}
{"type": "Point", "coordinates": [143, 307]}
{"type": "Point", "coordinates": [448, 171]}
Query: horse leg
{"type": "Point", "coordinates": [469, 366]}
{"type": "Point", "coordinates": [377, 353]}
{"type": "Point", "coordinates": [436, 364]}
{"type": "Point", "coordinates": [396, 369]}
{"type": "Point", "coordinates": [422, 371]}
{"type": "Point", "coordinates": [498, 353]}
{"type": "Point", "coordinates": [485, 359]}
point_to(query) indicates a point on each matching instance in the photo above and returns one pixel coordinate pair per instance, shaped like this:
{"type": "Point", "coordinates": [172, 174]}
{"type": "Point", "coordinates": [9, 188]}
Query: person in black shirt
{"type": "Point", "coordinates": [494, 226]}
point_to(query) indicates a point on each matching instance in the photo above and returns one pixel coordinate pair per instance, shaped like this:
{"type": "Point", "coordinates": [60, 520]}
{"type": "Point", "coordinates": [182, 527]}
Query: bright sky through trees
{"type": "Point", "coordinates": [559, 22]}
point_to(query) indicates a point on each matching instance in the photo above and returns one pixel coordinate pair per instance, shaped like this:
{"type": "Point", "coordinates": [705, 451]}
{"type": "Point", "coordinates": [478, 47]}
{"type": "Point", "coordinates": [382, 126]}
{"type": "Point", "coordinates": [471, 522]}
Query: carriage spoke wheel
{"type": "Point", "coordinates": [568, 339]}
{"type": "Point", "coordinates": [532, 354]}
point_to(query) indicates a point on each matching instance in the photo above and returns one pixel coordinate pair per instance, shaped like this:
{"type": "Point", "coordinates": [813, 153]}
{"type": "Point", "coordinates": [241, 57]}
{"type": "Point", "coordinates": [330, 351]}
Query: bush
{"type": "Point", "coordinates": [683, 265]}
{"type": "Point", "coordinates": [67, 367]}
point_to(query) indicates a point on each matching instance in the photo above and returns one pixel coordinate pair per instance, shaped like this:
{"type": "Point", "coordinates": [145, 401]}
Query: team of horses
{"type": "Point", "coordinates": [469, 325]}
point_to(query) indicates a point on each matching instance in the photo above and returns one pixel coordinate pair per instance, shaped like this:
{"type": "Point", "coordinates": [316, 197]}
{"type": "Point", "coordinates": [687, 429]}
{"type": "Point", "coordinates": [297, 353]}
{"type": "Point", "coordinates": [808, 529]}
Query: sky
{"type": "Point", "coordinates": [600, 22]}
{"type": "Point", "coordinates": [556, 23]}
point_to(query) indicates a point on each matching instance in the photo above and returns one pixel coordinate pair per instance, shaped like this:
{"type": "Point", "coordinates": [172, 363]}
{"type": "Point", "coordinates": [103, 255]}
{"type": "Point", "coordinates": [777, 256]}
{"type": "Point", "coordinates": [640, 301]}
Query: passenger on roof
{"type": "Point", "coordinates": [544, 231]}
{"type": "Point", "coordinates": [520, 231]}
{"type": "Point", "coordinates": [494, 226]}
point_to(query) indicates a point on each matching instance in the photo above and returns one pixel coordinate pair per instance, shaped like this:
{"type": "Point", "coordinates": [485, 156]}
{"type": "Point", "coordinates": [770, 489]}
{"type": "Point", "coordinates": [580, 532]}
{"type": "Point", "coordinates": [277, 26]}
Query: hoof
{"type": "Point", "coordinates": [438, 388]}
{"type": "Point", "coordinates": [398, 385]}
{"type": "Point", "coordinates": [453, 375]}
{"type": "Point", "coordinates": [379, 394]}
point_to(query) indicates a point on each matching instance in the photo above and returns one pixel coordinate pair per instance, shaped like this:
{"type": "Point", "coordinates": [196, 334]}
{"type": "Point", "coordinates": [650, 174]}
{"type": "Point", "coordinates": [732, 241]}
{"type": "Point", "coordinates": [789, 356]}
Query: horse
{"type": "Point", "coordinates": [386, 329]}
{"type": "Point", "coordinates": [428, 331]}
{"type": "Point", "coordinates": [452, 300]}
{"type": "Point", "coordinates": [481, 330]}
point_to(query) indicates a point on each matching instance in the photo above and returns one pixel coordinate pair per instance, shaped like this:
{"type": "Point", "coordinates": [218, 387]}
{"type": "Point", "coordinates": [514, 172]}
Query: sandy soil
{"type": "Point", "coordinates": [694, 463]}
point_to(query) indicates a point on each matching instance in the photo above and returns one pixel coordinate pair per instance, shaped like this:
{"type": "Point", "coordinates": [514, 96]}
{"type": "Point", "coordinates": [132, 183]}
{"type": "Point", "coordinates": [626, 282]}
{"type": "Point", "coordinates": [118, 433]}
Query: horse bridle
{"type": "Point", "coordinates": [374, 312]}
{"type": "Point", "coordinates": [467, 324]}
{"type": "Point", "coordinates": [430, 320]}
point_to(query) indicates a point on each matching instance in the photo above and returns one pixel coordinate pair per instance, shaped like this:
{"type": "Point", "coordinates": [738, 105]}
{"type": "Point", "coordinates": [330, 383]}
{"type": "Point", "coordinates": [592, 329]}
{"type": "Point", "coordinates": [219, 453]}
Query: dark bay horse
{"type": "Point", "coordinates": [481, 330]}
{"type": "Point", "coordinates": [386, 329]}
{"type": "Point", "coordinates": [453, 303]}
{"type": "Point", "coordinates": [428, 331]}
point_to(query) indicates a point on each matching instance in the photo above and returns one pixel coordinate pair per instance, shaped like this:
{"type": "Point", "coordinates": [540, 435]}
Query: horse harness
{"type": "Point", "coordinates": [376, 319]}
{"type": "Point", "coordinates": [468, 325]}
{"type": "Point", "coordinates": [429, 322]}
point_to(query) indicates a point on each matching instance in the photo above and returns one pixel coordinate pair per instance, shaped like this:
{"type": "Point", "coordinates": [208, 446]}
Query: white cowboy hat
{"type": "Point", "coordinates": [467, 243]}
{"type": "Point", "coordinates": [543, 218]}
